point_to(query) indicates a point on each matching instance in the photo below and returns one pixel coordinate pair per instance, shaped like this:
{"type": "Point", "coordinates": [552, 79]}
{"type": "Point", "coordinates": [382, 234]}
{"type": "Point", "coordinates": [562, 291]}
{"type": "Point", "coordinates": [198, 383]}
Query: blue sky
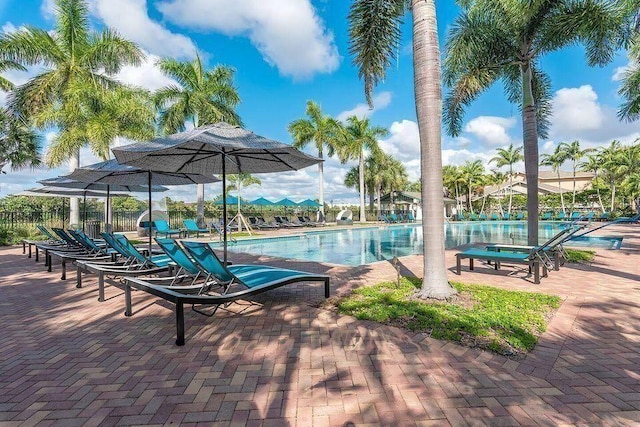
{"type": "Point", "coordinates": [286, 52]}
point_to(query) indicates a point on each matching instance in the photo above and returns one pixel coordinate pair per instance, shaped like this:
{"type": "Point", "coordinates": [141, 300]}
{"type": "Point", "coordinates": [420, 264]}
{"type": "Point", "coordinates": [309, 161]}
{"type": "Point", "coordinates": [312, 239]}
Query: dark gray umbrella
{"type": "Point", "coordinates": [112, 172]}
{"type": "Point", "coordinates": [219, 148]}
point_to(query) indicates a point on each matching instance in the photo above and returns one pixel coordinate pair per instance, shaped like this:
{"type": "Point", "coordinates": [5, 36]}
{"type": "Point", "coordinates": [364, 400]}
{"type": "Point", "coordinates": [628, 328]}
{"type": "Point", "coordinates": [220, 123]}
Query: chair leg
{"type": "Point", "coordinates": [458, 266]}
{"type": "Point", "coordinates": [64, 269]}
{"type": "Point", "coordinates": [79, 277]}
{"type": "Point", "coordinates": [101, 286]}
{"type": "Point", "coordinates": [179, 323]}
{"type": "Point", "coordinates": [127, 300]}
{"type": "Point", "coordinates": [536, 272]}
{"type": "Point", "coordinates": [326, 288]}
{"type": "Point", "coordinates": [471, 264]}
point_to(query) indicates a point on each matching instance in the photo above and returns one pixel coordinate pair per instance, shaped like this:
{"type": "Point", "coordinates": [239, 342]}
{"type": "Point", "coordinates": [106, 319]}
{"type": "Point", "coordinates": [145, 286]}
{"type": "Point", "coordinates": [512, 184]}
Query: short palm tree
{"type": "Point", "coordinates": [610, 157]}
{"type": "Point", "coordinates": [238, 182]}
{"type": "Point", "coordinates": [508, 157]}
{"type": "Point", "coordinates": [593, 164]}
{"type": "Point", "coordinates": [573, 152]}
{"type": "Point", "coordinates": [20, 146]}
{"type": "Point", "coordinates": [555, 162]}
{"type": "Point", "coordinates": [321, 130]}
{"type": "Point", "coordinates": [358, 136]}
{"type": "Point", "coordinates": [473, 173]}
{"type": "Point", "coordinates": [76, 62]}
{"type": "Point", "coordinates": [375, 36]}
{"type": "Point", "coordinates": [201, 97]}
{"type": "Point", "coordinates": [506, 40]}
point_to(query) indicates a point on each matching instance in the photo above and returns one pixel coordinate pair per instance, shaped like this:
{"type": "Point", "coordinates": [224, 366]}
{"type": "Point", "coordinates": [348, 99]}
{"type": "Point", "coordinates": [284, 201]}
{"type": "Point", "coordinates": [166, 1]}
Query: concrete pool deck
{"type": "Point", "coordinates": [66, 359]}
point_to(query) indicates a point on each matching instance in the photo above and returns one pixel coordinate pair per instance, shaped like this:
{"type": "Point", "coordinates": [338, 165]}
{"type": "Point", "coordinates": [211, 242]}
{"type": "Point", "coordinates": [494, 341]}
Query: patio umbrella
{"type": "Point", "coordinates": [286, 202]}
{"type": "Point", "coordinates": [230, 200]}
{"type": "Point", "coordinates": [49, 191]}
{"type": "Point", "coordinates": [261, 201]}
{"type": "Point", "coordinates": [219, 148]}
{"type": "Point", "coordinates": [309, 204]}
{"type": "Point", "coordinates": [64, 182]}
{"type": "Point", "coordinates": [112, 172]}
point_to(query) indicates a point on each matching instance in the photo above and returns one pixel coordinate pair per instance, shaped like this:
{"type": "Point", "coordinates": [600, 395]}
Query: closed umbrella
{"type": "Point", "coordinates": [219, 148]}
{"type": "Point", "coordinates": [112, 172]}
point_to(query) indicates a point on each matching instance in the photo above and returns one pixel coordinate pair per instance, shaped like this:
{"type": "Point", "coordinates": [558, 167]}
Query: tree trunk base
{"type": "Point", "coordinates": [431, 292]}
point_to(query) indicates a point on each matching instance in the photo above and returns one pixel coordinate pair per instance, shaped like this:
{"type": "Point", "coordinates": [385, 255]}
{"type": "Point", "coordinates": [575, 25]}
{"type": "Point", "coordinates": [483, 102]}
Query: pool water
{"type": "Point", "coordinates": [359, 246]}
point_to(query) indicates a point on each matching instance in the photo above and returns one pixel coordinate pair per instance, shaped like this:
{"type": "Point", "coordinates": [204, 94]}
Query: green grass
{"type": "Point", "coordinates": [506, 322]}
{"type": "Point", "coordinates": [580, 255]}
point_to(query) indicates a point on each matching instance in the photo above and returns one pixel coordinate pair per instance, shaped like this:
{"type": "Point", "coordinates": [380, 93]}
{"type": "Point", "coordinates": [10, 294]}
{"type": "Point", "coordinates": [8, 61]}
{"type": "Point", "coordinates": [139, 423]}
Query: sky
{"type": "Point", "coordinates": [286, 52]}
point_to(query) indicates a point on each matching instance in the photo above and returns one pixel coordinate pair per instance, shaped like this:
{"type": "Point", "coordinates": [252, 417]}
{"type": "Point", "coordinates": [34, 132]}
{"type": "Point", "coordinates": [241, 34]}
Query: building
{"type": "Point", "coordinates": [411, 201]}
{"type": "Point", "coordinates": [548, 183]}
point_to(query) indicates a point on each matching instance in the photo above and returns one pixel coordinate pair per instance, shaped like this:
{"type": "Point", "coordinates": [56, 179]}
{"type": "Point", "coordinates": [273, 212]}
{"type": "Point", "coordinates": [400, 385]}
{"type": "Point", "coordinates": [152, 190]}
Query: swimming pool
{"type": "Point", "coordinates": [358, 246]}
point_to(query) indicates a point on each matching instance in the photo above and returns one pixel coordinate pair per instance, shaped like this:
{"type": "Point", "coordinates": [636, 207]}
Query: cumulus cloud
{"type": "Point", "coordinates": [403, 142]}
{"type": "Point", "coordinates": [131, 19]}
{"type": "Point", "coordinates": [380, 102]}
{"type": "Point", "coordinates": [288, 33]}
{"type": "Point", "coordinates": [147, 75]}
{"type": "Point", "coordinates": [493, 131]}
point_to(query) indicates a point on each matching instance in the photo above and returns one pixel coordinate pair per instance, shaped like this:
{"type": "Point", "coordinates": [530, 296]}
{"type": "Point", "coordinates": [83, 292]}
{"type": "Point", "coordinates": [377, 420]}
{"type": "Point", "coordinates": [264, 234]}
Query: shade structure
{"type": "Point", "coordinates": [64, 182]}
{"type": "Point", "coordinates": [230, 200]}
{"type": "Point", "coordinates": [261, 201]}
{"type": "Point", "coordinates": [309, 204]}
{"type": "Point", "coordinates": [49, 191]}
{"type": "Point", "coordinates": [112, 172]}
{"type": "Point", "coordinates": [218, 148]}
{"type": "Point", "coordinates": [286, 202]}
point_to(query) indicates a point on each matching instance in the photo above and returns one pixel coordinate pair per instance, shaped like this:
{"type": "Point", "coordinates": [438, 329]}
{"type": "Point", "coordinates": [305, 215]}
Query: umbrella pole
{"type": "Point", "coordinates": [84, 209]}
{"type": "Point", "coordinates": [224, 209]}
{"type": "Point", "coordinates": [63, 212]}
{"type": "Point", "coordinates": [149, 195]}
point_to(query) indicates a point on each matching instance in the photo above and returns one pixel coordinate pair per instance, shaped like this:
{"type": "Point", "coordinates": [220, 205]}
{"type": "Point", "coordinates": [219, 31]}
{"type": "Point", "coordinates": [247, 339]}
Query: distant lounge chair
{"type": "Point", "coordinates": [483, 217]}
{"type": "Point", "coordinates": [310, 221]}
{"type": "Point", "coordinates": [411, 217]}
{"type": "Point", "coordinates": [505, 216]}
{"type": "Point", "coordinates": [628, 219]}
{"type": "Point", "coordinates": [473, 217]}
{"type": "Point", "coordinates": [192, 227]}
{"type": "Point", "coordinates": [575, 216]}
{"type": "Point", "coordinates": [545, 216]}
{"type": "Point", "coordinates": [162, 227]}
{"type": "Point", "coordinates": [284, 222]}
{"type": "Point", "coordinates": [561, 216]}
{"type": "Point", "coordinates": [604, 216]}
{"type": "Point", "coordinates": [255, 222]}
{"type": "Point", "coordinates": [519, 216]}
{"type": "Point", "coordinates": [494, 216]}
{"type": "Point", "coordinates": [252, 280]}
{"type": "Point", "coordinates": [589, 216]}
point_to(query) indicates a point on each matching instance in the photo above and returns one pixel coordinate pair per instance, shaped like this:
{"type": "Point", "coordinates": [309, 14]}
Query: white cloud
{"type": "Point", "coordinates": [403, 142]}
{"type": "Point", "coordinates": [380, 102]}
{"type": "Point", "coordinates": [576, 109]}
{"type": "Point", "coordinates": [147, 75]}
{"type": "Point", "coordinates": [8, 27]}
{"type": "Point", "coordinates": [288, 33]}
{"type": "Point", "coordinates": [491, 130]}
{"type": "Point", "coordinates": [131, 19]}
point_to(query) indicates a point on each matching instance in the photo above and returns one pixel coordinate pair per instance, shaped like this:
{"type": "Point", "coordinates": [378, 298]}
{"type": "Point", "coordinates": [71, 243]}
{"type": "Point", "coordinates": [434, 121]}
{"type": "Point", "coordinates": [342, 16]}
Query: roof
{"type": "Point", "coordinates": [409, 196]}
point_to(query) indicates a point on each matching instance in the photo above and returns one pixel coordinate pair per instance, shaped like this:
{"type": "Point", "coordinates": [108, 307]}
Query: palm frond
{"type": "Point", "coordinates": [108, 51]}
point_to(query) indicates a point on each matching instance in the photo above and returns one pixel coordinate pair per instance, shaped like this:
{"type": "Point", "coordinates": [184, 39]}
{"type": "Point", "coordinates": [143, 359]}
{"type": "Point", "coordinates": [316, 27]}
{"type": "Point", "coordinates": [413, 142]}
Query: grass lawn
{"type": "Point", "coordinates": [580, 255]}
{"type": "Point", "coordinates": [506, 322]}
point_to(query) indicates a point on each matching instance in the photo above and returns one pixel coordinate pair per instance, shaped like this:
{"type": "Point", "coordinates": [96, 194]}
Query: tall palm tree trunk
{"type": "Point", "coordinates": [74, 202]}
{"type": "Point", "coordinates": [561, 192]}
{"type": "Point", "coordinates": [510, 190]}
{"type": "Point", "coordinates": [530, 139]}
{"type": "Point", "coordinates": [573, 199]}
{"type": "Point", "coordinates": [613, 194]}
{"type": "Point", "coordinates": [428, 94]}
{"type": "Point", "coordinates": [598, 192]}
{"type": "Point", "coordinates": [321, 185]}
{"type": "Point", "coordinates": [362, 189]}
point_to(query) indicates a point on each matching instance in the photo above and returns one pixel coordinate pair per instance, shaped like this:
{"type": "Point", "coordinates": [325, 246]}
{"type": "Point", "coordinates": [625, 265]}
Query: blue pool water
{"type": "Point", "coordinates": [358, 246]}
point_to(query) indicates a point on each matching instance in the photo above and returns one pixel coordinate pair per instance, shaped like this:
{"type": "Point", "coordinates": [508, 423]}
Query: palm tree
{"type": "Point", "coordinates": [6, 65]}
{"type": "Point", "coordinates": [610, 157]}
{"type": "Point", "coordinates": [573, 152]}
{"type": "Point", "coordinates": [76, 61]}
{"type": "Point", "coordinates": [375, 35]}
{"type": "Point", "coordinates": [592, 164]}
{"type": "Point", "coordinates": [201, 97]}
{"type": "Point", "coordinates": [508, 157]}
{"type": "Point", "coordinates": [505, 40]}
{"type": "Point", "coordinates": [357, 137]}
{"type": "Point", "coordinates": [19, 145]}
{"type": "Point", "coordinates": [238, 182]}
{"type": "Point", "coordinates": [555, 161]}
{"type": "Point", "coordinates": [631, 184]}
{"type": "Point", "coordinates": [320, 129]}
{"type": "Point", "coordinates": [473, 174]}
{"type": "Point", "coordinates": [630, 108]}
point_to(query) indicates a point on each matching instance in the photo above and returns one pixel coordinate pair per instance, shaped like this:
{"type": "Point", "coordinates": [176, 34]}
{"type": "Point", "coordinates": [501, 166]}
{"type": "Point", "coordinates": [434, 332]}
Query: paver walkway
{"type": "Point", "coordinates": [66, 359]}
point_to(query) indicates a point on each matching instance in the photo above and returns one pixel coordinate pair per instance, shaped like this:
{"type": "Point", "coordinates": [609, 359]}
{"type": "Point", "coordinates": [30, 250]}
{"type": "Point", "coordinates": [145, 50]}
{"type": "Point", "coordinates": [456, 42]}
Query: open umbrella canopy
{"type": "Point", "coordinates": [261, 201]}
{"type": "Point", "coordinates": [217, 148]}
{"type": "Point", "coordinates": [112, 172]}
{"type": "Point", "coordinates": [286, 202]}
{"type": "Point", "coordinates": [69, 192]}
{"type": "Point", "coordinates": [309, 204]}
{"type": "Point", "coordinates": [230, 200]}
{"type": "Point", "coordinates": [64, 182]}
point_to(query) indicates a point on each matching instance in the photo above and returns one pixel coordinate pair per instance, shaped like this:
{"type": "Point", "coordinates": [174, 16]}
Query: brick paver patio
{"type": "Point", "coordinates": [66, 359]}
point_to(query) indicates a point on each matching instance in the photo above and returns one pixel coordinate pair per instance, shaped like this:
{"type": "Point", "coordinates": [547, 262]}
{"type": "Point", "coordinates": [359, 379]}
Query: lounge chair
{"type": "Point", "coordinates": [545, 216]}
{"type": "Point", "coordinates": [505, 216]}
{"type": "Point", "coordinates": [589, 216]}
{"type": "Point", "coordinates": [575, 216]}
{"type": "Point", "coordinates": [394, 218]}
{"type": "Point", "coordinates": [459, 217]}
{"type": "Point", "coordinates": [285, 223]}
{"type": "Point", "coordinates": [251, 280]}
{"type": "Point", "coordinates": [140, 264]}
{"type": "Point", "coordinates": [561, 216]}
{"type": "Point", "coordinates": [310, 221]}
{"type": "Point", "coordinates": [192, 227]}
{"type": "Point", "coordinates": [473, 217]}
{"type": "Point", "coordinates": [218, 229]}
{"type": "Point", "coordinates": [519, 216]}
{"type": "Point", "coordinates": [483, 217]}
{"type": "Point", "coordinates": [263, 221]}
{"type": "Point", "coordinates": [534, 256]}
{"type": "Point", "coordinates": [494, 217]}
{"type": "Point", "coordinates": [255, 222]}
{"type": "Point", "coordinates": [162, 227]}
{"type": "Point", "coordinates": [553, 246]}
{"type": "Point", "coordinates": [411, 217]}
{"type": "Point", "coordinates": [628, 219]}
{"type": "Point", "coordinates": [92, 253]}
{"type": "Point", "coordinates": [604, 216]}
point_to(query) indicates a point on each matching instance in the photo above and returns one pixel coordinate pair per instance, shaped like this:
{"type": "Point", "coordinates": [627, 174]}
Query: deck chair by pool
{"type": "Point", "coordinates": [49, 238]}
{"type": "Point", "coordinates": [494, 216]}
{"type": "Point", "coordinates": [545, 216]}
{"type": "Point", "coordinates": [162, 227]}
{"type": "Point", "coordinates": [140, 265]}
{"type": "Point", "coordinates": [192, 227]}
{"type": "Point", "coordinates": [552, 251]}
{"type": "Point", "coordinates": [519, 216]}
{"type": "Point", "coordinates": [575, 216]}
{"type": "Point", "coordinates": [249, 279]}
{"type": "Point", "coordinates": [535, 257]}
{"type": "Point", "coordinates": [92, 253]}
{"type": "Point", "coordinates": [604, 216]}
{"type": "Point", "coordinates": [561, 216]}
{"type": "Point", "coordinates": [628, 219]}
{"type": "Point", "coordinates": [256, 223]}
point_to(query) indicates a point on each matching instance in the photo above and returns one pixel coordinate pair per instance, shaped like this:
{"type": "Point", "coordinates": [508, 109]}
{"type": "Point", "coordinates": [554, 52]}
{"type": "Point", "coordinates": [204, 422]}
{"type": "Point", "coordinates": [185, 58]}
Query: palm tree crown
{"type": "Point", "coordinates": [508, 157]}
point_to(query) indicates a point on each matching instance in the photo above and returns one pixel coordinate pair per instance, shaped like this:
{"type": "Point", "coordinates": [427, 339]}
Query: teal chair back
{"type": "Point", "coordinates": [129, 248]}
{"type": "Point", "coordinates": [208, 261]}
{"type": "Point", "coordinates": [161, 225]}
{"type": "Point", "coordinates": [190, 224]}
{"type": "Point", "coordinates": [179, 256]}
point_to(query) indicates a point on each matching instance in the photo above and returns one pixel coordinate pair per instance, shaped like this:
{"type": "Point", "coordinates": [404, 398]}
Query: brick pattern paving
{"type": "Point", "coordinates": [66, 359]}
